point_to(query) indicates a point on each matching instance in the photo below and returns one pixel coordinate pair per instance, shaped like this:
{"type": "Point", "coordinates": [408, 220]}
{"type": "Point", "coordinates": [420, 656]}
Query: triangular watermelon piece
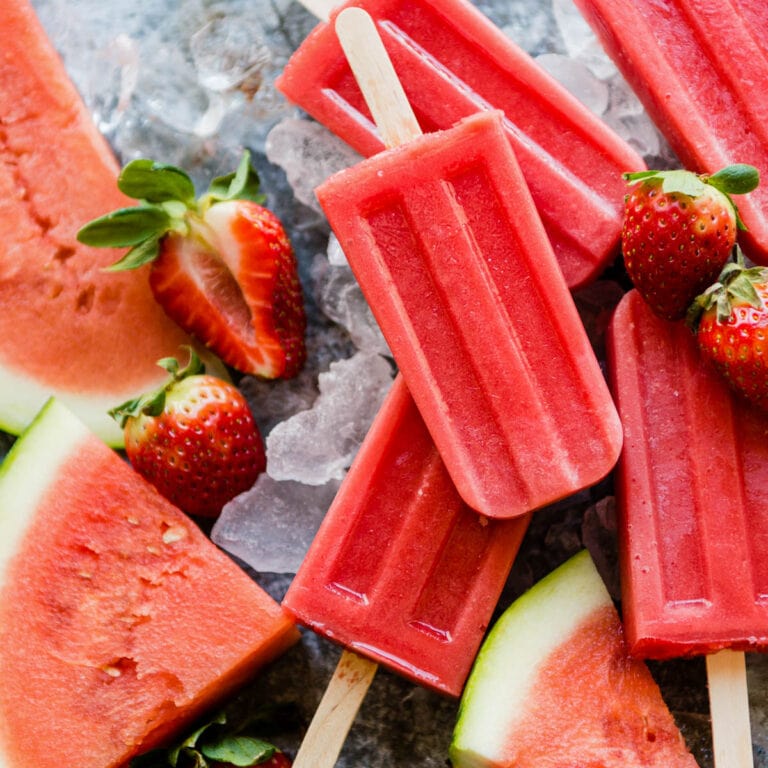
{"type": "Point", "coordinates": [553, 686]}
{"type": "Point", "coordinates": [120, 622]}
{"type": "Point", "coordinates": [68, 328]}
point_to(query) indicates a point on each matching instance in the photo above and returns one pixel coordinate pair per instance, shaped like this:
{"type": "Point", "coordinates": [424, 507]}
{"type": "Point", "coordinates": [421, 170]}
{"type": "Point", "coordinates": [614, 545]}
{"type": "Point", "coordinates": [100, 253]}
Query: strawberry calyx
{"type": "Point", "coordinates": [167, 203]}
{"type": "Point", "coordinates": [734, 287]}
{"type": "Point", "coordinates": [224, 740]}
{"type": "Point", "coordinates": [153, 403]}
{"type": "Point", "coordinates": [736, 179]}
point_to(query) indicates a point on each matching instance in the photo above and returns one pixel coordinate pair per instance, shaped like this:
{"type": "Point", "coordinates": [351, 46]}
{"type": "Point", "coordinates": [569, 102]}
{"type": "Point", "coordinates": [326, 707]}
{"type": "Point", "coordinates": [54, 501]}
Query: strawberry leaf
{"type": "Point", "coordinates": [685, 182]}
{"type": "Point", "coordinates": [139, 255]}
{"type": "Point", "coordinates": [153, 403]}
{"type": "Point", "coordinates": [156, 182]}
{"type": "Point", "coordinates": [243, 184]}
{"type": "Point", "coordinates": [737, 179]}
{"type": "Point", "coordinates": [239, 750]}
{"type": "Point", "coordinates": [125, 226]}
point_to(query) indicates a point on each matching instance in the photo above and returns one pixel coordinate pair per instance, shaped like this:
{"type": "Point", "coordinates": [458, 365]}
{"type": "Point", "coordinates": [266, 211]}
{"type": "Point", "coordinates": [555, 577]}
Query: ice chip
{"type": "Point", "coordinates": [274, 401]}
{"type": "Point", "coordinates": [308, 153]}
{"type": "Point", "coordinates": [579, 79]}
{"type": "Point", "coordinates": [336, 255]}
{"type": "Point", "coordinates": [579, 39]}
{"type": "Point", "coordinates": [342, 300]}
{"type": "Point", "coordinates": [318, 445]}
{"type": "Point", "coordinates": [229, 52]}
{"type": "Point", "coordinates": [271, 526]}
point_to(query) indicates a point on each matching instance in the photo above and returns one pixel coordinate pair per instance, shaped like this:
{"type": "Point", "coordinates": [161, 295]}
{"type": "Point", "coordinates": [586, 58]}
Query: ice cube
{"type": "Point", "coordinates": [578, 79]}
{"type": "Point", "coordinates": [318, 445]}
{"type": "Point", "coordinates": [342, 300]}
{"type": "Point", "coordinates": [309, 154]}
{"type": "Point", "coordinates": [230, 52]}
{"type": "Point", "coordinates": [271, 526]}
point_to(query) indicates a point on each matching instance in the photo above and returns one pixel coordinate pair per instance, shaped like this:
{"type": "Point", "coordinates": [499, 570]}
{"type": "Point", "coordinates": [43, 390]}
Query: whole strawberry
{"type": "Point", "coordinates": [194, 439]}
{"type": "Point", "coordinates": [679, 230]}
{"type": "Point", "coordinates": [730, 320]}
{"type": "Point", "coordinates": [222, 266]}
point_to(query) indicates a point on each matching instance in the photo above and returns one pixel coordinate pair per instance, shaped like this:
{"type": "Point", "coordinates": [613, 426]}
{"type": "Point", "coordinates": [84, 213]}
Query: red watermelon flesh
{"type": "Point", "coordinates": [67, 328]}
{"type": "Point", "coordinates": [120, 622]}
{"type": "Point", "coordinates": [609, 713]}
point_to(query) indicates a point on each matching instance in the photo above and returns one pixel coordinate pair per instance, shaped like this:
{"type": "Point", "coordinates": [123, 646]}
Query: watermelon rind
{"type": "Point", "coordinates": [506, 666]}
{"type": "Point", "coordinates": [24, 478]}
{"type": "Point", "coordinates": [22, 397]}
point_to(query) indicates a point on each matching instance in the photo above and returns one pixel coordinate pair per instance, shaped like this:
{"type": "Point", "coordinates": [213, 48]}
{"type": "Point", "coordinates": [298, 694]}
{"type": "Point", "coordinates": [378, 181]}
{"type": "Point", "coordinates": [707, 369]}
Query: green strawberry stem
{"type": "Point", "coordinates": [736, 179]}
{"type": "Point", "coordinates": [167, 203]}
{"type": "Point", "coordinates": [220, 741]}
{"type": "Point", "coordinates": [153, 403]}
{"type": "Point", "coordinates": [735, 287]}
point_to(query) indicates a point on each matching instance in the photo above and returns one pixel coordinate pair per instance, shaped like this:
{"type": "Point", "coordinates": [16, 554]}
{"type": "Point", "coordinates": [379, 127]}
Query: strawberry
{"type": "Point", "coordinates": [679, 230]}
{"type": "Point", "coordinates": [222, 265]}
{"type": "Point", "coordinates": [730, 320]}
{"type": "Point", "coordinates": [194, 439]}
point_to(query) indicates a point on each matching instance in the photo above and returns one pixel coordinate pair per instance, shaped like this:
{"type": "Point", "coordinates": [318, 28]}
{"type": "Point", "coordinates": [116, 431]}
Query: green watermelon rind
{"type": "Point", "coordinates": [22, 397]}
{"type": "Point", "coordinates": [24, 477]}
{"type": "Point", "coordinates": [506, 666]}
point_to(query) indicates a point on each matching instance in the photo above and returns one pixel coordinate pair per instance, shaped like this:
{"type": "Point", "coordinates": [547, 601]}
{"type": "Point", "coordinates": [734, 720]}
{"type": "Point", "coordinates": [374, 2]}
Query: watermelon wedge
{"type": "Point", "coordinates": [553, 686]}
{"type": "Point", "coordinates": [120, 622]}
{"type": "Point", "coordinates": [67, 329]}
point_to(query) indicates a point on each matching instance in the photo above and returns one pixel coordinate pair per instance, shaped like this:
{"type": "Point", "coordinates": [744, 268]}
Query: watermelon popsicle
{"type": "Point", "coordinates": [445, 241]}
{"type": "Point", "coordinates": [699, 67]}
{"type": "Point", "coordinates": [692, 494]}
{"type": "Point", "coordinates": [401, 571]}
{"type": "Point", "coordinates": [453, 62]}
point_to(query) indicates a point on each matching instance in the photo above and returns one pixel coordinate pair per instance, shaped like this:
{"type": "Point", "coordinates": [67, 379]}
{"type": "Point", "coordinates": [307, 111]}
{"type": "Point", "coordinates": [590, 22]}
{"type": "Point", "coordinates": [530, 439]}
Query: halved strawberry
{"type": "Point", "coordinates": [222, 266]}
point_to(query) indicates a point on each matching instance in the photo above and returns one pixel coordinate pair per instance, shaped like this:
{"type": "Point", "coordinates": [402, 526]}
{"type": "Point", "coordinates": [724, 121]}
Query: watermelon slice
{"type": "Point", "coordinates": [553, 686]}
{"type": "Point", "coordinates": [120, 622]}
{"type": "Point", "coordinates": [67, 328]}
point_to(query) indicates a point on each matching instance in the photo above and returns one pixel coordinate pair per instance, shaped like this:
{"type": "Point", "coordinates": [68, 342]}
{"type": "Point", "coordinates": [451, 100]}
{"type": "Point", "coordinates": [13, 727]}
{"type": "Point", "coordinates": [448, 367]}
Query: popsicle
{"type": "Point", "coordinates": [445, 241]}
{"type": "Point", "coordinates": [402, 572]}
{"type": "Point", "coordinates": [692, 495]}
{"type": "Point", "coordinates": [453, 62]}
{"type": "Point", "coordinates": [700, 68]}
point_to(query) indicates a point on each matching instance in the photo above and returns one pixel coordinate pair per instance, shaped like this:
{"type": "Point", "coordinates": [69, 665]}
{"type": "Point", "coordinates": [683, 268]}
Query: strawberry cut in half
{"type": "Point", "coordinates": [222, 265]}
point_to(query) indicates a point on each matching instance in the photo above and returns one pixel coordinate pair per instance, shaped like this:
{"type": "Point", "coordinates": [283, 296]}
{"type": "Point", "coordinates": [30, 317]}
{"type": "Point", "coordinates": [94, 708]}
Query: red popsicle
{"type": "Point", "coordinates": [447, 246]}
{"type": "Point", "coordinates": [700, 68]}
{"type": "Point", "coordinates": [692, 495]}
{"type": "Point", "coordinates": [401, 572]}
{"type": "Point", "coordinates": [453, 62]}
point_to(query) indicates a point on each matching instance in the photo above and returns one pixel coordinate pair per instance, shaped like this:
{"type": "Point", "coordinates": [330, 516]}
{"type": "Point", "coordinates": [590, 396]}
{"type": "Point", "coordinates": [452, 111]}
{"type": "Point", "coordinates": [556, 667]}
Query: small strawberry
{"type": "Point", "coordinates": [679, 230]}
{"type": "Point", "coordinates": [194, 439]}
{"type": "Point", "coordinates": [222, 266]}
{"type": "Point", "coordinates": [730, 320]}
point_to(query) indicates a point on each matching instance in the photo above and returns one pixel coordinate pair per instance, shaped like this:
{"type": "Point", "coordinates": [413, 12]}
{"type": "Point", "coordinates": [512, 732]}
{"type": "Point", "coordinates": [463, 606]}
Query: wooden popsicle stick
{"type": "Point", "coordinates": [395, 119]}
{"type": "Point", "coordinates": [376, 77]}
{"type": "Point", "coordinates": [337, 709]}
{"type": "Point", "coordinates": [729, 709]}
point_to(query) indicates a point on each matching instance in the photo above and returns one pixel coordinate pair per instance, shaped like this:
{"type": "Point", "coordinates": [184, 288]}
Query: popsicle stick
{"type": "Point", "coordinates": [376, 77]}
{"type": "Point", "coordinates": [337, 710]}
{"type": "Point", "coordinates": [729, 709]}
{"type": "Point", "coordinates": [395, 119]}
